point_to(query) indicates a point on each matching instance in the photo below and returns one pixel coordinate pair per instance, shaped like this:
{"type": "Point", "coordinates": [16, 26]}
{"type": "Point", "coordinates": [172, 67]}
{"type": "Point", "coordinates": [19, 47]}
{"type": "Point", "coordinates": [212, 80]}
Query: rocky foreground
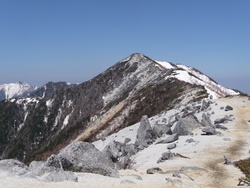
{"type": "Point", "coordinates": [190, 146]}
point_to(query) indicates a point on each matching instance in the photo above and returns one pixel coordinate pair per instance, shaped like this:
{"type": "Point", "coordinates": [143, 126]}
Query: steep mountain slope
{"type": "Point", "coordinates": [17, 89]}
{"type": "Point", "coordinates": [34, 127]}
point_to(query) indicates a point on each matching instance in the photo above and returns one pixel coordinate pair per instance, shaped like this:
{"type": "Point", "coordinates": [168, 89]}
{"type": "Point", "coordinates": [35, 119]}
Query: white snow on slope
{"type": "Point", "coordinates": [58, 117]}
{"type": "Point", "coordinates": [25, 117]}
{"type": "Point", "coordinates": [45, 88]}
{"type": "Point", "coordinates": [65, 121]}
{"type": "Point", "coordinates": [49, 103]}
{"type": "Point", "coordinates": [165, 64]}
{"type": "Point", "coordinates": [25, 102]}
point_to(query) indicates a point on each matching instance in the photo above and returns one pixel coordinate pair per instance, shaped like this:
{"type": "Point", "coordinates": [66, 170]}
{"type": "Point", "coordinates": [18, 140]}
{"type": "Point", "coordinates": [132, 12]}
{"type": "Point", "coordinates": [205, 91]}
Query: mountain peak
{"type": "Point", "coordinates": [22, 83]}
{"type": "Point", "coordinates": [136, 57]}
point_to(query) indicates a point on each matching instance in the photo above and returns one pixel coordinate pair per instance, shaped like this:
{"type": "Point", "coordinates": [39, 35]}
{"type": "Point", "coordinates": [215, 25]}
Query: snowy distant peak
{"type": "Point", "coordinates": [17, 89]}
{"type": "Point", "coordinates": [193, 76]}
{"type": "Point", "coordinates": [22, 89]}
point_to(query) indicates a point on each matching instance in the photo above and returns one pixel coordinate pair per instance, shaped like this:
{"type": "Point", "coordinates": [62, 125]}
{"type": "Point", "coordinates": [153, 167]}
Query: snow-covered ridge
{"type": "Point", "coordinates": [11, 90]}
{"type": "Point", "coordinates": [192, 76]}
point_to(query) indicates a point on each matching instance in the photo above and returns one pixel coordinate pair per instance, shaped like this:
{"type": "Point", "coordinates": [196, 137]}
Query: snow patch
{"type": "Point", "coordinates": [45, 88]}
{"type": "Point", "coordinates": [25, 102]}
{"type": "Point", "coordinates": [70, 102]}
{"type": "Point", "coordinates": [25, 117]}
{"type": "Point", "coordinates": [12, 100]}
{"type": "Point", "coordinates": [49, 103]}
{"type": "Point", "coordinates": [45, 120]}
{"type": "Point", "coordinates": [66, 120]}
{"type": "Point", "coordinates": [58, 117]}
{"type": "Point", "coordinates": [165, 64]}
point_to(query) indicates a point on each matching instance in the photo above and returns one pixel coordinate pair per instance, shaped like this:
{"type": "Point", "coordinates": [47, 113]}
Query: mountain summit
{"type": "Point", "coordinates": [35, 127]}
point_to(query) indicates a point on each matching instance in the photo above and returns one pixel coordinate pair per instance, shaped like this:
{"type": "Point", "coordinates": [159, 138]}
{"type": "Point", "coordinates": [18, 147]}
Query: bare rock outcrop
{"type": "Point", "coordinates": [59, 175]}
{"type": "Point", "coordinates": [42, 170]}
{"type": "Point", "coordinates": [169, 139]}
{"type": "Point", "coordinates": [144, 135]}
{"type": "Point", "coordinates": [161, 129]}
{"type": "Point", "coordinates": [225, 119]}
{"type": "Point", "coordinates": [182, 128]}
{"type": "Point", "coordinates": [165, 156]}
{"type": "Point", "coordinates": [171, 146]}
{"type": "Point", "coordinates": [228, 108]}
{"type": "Point", "coordinates": [120, 153]}
{"type": "Point", "coordinates": [209, 128]}
{"type": "Point", "coordinates": [50, 171]}
{"type": "Point", "coordinates": [154, 170]}
{"type": "Point", "coordinates": [84, 157]}
{"type": "Point", "coordinates": [13, 166]}
{"type": "Point", "coordinates": [39, 168]}
{"type": "Point", "coordinates": [206, 121]}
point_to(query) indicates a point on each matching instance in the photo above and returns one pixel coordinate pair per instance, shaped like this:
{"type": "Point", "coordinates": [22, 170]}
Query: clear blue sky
{"type": "Point", "coordinates": [74, 40]}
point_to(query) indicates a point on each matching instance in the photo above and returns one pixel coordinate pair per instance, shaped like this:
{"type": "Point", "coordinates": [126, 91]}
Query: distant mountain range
{"type": "Point", "coordinates": [181, 72]}
{"type": "Point", "coordinates": [37, 122]}
{"type": "Point", "coordinates": [22, 90]}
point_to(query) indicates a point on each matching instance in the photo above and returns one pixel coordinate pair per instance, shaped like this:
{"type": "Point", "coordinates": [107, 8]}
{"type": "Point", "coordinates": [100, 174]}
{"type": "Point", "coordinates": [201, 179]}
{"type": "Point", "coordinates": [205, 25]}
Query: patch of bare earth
{"type": "Point", "coordinates": [222, 175]}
